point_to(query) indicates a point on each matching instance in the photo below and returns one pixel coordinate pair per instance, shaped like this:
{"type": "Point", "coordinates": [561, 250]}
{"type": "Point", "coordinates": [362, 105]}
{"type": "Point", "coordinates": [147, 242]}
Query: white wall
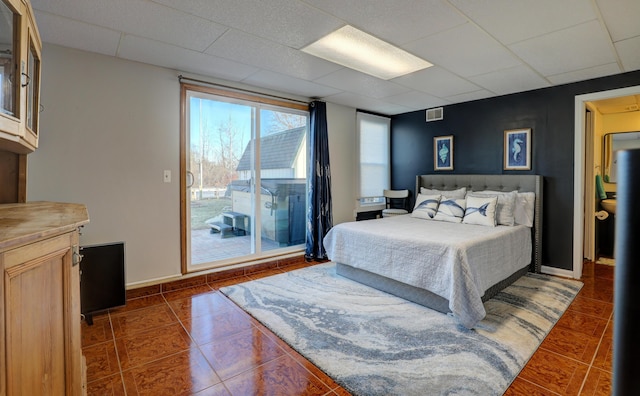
{"type": "Point", "coordinates": [108, 130]}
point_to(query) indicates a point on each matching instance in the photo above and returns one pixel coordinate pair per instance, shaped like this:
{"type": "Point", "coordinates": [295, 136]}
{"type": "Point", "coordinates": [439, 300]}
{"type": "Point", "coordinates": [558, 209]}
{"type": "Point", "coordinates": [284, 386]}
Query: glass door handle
{"type": "Point", "coordinates": [26, 79]}
{"type": "Point", "coordinates": [190, 179]}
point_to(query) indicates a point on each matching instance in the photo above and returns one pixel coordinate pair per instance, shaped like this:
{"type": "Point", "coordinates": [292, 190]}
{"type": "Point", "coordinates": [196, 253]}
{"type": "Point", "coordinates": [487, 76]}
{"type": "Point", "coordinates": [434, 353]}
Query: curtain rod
{"type": "Point", "coordinates": [181, 77]}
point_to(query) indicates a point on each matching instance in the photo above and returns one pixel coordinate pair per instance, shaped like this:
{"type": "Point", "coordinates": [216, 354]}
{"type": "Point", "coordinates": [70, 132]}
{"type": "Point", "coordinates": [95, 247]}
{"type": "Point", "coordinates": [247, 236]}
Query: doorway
{"type": "Point", "coordinates": [580, 188]}
{"type": "Point", "coordinates": [243, 178]}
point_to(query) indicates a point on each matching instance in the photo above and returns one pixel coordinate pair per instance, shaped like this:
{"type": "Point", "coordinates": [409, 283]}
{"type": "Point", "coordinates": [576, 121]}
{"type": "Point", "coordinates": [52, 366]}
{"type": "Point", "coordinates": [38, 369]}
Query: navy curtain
{"type": "Point", "coordinates": [319, 217]}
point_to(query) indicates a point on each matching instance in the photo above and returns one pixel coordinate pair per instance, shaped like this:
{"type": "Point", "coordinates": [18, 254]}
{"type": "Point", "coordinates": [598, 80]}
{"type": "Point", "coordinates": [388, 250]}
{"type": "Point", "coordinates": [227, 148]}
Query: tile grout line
{"type": "Point", "coordinates": [593, 358]}
{"type": "Point", "coordinates": [115, 346]}
{"type": "Point", "coordinates": [151, 361]}
{"type": "Point", "coordinates": [194, 341]}
{"type": "Point", "coordinates": [536, 385]}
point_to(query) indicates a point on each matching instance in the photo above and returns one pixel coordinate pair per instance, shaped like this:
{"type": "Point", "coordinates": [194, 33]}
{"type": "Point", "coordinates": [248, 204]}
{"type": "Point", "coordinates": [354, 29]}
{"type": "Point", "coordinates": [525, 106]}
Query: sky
{"type": "Point", "coordinates": [214, 113]}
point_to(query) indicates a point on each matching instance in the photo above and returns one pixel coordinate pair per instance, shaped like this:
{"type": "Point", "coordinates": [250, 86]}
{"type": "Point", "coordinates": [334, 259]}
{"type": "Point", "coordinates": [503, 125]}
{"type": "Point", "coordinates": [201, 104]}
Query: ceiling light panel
{"type": "Point", "coordinates": [360, 51]}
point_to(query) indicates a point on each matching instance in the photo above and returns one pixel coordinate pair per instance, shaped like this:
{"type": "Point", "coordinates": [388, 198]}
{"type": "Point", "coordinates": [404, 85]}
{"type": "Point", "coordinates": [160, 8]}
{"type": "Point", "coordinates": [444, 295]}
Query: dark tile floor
{"type": "Point", "coordinates": [194, 341]}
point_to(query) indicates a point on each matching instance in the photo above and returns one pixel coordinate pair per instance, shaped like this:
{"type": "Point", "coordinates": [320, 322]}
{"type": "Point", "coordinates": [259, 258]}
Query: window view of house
{"type": "Point", "coordinates": [247, 178]}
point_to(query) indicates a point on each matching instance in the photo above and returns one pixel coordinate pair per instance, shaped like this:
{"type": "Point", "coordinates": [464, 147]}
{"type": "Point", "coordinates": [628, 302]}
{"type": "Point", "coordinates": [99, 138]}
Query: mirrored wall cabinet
{"type": "Point", "coordinates": [614, 142]}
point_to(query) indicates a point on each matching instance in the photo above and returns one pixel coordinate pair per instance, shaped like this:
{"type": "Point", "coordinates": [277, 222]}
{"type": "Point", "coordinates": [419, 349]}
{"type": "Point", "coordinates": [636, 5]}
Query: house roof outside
{"type": "Point", "coordinates": [277, 151]}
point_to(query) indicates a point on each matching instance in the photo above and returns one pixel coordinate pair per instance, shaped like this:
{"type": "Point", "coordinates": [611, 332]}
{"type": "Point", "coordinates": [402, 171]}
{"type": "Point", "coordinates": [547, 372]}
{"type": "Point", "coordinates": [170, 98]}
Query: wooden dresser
{"type": "Point", "coordinates": [40, 344]}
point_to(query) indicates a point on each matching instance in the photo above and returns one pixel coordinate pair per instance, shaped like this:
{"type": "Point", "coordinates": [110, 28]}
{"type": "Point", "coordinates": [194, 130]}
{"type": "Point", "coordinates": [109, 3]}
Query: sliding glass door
{"type": "Point", "coordinates": [244, 179]}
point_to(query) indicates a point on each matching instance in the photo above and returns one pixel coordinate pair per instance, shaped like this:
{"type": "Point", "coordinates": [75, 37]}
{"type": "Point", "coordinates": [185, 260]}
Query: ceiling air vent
{"type": "Point", "coordinates": [435, 114]}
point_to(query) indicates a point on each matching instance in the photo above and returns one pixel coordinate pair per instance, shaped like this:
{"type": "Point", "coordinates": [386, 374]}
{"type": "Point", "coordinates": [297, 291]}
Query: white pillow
{"type": "Point", "coordinates": [455, 194]}
{"type": "Point", "coordinates": [524, 209]}
{"type": "Point", "coordinates": [426, 206]}
{"type": "Point", "coordinates": [451, 210]}
{"type": "Point", "coordinates": [505, 206]}
{"type": "Point", "coordinates": [481, 211]}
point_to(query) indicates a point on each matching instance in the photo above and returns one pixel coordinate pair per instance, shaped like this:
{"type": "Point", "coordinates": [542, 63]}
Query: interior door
{"type": "Point", "coordinates": [589, 189]}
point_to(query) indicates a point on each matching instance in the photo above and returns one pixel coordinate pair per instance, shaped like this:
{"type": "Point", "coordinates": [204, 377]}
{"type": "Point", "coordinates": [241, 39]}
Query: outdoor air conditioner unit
{"type": "Point", "coordinates": [435, 114]}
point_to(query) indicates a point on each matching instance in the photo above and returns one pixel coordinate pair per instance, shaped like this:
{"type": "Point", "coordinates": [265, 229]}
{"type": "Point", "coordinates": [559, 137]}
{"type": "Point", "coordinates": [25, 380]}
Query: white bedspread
{"type": "Point", "coordinates": [456, 261]}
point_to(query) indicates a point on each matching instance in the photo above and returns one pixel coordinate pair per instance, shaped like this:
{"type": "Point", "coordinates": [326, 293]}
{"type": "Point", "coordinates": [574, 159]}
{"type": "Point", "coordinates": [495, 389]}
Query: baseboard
{"type": "Point", "coordinates": [557, 271]}
{"type": "Point", "coordinates": [241, 268]}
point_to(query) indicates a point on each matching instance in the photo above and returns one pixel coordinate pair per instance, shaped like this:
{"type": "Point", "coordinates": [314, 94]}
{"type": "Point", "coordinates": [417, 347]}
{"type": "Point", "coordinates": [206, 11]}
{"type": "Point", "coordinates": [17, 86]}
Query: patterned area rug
{"type": "Point", "coordinates": [373, 343]}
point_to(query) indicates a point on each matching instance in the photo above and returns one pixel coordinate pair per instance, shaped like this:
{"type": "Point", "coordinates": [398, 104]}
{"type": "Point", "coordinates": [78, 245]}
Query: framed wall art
{"type": "Point", "coordinates": [443, 153]}
{"type": "Point", "coordinates": [517, 149]}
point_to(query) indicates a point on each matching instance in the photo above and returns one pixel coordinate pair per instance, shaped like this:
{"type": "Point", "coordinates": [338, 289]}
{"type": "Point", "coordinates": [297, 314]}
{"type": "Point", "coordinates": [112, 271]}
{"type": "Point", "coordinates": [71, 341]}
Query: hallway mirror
{"type": "Point", "coordinates": [612, 143]}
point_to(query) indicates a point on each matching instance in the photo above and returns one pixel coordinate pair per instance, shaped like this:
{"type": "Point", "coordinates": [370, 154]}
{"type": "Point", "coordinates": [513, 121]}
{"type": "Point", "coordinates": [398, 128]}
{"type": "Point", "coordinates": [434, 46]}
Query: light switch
{"type": "Point", "coordinates": [167, 176]}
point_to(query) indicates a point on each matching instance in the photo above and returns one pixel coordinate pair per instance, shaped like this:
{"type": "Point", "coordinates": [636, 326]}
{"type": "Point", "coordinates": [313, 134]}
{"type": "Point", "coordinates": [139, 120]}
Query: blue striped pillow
{"type": "Point", "coordinates": [426, 206]}
{"type": "Point", "coordinates": [451, 210]}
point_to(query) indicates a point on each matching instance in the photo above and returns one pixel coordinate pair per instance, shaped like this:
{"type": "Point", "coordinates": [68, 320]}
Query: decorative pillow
{"type": "Point", "coordinates": [524, 209]}
{"type": "Point", "coordinates": [481, 211]}
{"type": "Point", "coordinates": [505, 206]}
{"type": "Point", "coordinates": [426, 206]}
{"type": "Point", "coordinates": [451, 210]}
{"type": "Point", "coordinates": [454, 194]}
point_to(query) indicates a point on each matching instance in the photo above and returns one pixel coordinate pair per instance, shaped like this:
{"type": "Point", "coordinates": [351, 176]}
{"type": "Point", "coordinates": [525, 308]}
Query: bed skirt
{"type": "Point", "coordinates": [416, 294]}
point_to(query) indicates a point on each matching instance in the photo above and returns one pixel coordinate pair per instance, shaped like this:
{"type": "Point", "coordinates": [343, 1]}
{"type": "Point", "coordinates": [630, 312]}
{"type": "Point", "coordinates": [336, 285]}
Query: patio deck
{"type": "Point", "coordinates": [207, 247]}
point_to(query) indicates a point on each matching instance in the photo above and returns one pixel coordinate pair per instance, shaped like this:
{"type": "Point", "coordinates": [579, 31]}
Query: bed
{"type": "Point", "coordinates": [449, 267]}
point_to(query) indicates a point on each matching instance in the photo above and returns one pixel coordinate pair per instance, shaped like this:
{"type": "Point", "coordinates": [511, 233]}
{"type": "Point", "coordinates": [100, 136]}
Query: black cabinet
{"type": "Point", "coordinates": [606, 236]}
{"type": "Point", "coordinates": [102, 278]}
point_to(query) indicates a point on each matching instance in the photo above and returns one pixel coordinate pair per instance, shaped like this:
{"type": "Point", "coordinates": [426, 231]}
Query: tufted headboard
{"type": "Point", "coordinates": [504, 183]}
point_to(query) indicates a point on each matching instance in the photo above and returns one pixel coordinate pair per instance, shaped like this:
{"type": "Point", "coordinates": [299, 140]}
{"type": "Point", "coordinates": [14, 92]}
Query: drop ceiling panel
{"type": "Point", "coordinates": [585, 74]}
{"type": "Point", "coordinates": [571, 49]}
{"type": "Point", "coordinates": [437, 82]}
{"type": "Point", "coordinates": [291, 23]}
{"type": "Point", "coordinates": [475, 52]}
{"type": "Point", "coordinates": [141, 18]}
{"type": "Point", "coordinates": [468, 96]}
{"type": "Point", "coordinates": [516, 79]}
{"type": "Point", "coordinates": [512, 21]}
{"type": "Point", "coordinates": [629, 52]}
{"type": "Point", "coordinates": [251, 50]}
{"type": "Point", "coordinates": [622, 18]}
{"type": "Point", "coordinates": [180, 59]}
{"type": "Point", "coordinates": [359, 102]}
{"type": "Point", "coordinates": [361, 84]}
{"type": "Point", "coordinates": [416, 100]}
{"type": "Point", "coordinates": [397, 23]}
{"type": "Point", "coordinates": [272, 80]}
{"type": "Point", "coordinates": [79, 35]}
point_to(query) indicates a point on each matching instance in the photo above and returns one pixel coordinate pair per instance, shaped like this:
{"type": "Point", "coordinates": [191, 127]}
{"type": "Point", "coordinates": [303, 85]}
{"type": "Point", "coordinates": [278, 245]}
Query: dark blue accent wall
{"type": "Point", "coordinates": [478, 129]}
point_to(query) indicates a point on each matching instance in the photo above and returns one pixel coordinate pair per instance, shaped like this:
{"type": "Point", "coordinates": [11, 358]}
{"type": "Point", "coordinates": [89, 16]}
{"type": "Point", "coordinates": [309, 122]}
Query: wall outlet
{"type": "Point", "coordinates": [167, 176]}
